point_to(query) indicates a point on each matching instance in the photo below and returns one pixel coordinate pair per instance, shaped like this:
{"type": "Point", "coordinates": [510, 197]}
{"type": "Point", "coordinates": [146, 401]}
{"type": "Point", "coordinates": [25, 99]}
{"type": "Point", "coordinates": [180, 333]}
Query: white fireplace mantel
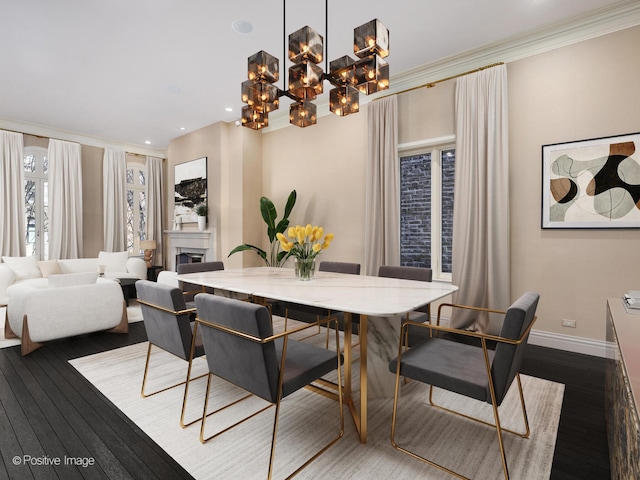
{"type": "Point", "coordinates": [190, 241]}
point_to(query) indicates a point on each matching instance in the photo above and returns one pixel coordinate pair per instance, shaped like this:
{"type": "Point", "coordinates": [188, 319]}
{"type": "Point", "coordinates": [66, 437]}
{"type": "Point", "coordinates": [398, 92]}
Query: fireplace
{"type": "Point", "coordinates": [189, 246]}
{"type": "Point", "coordinates": [187, 257]}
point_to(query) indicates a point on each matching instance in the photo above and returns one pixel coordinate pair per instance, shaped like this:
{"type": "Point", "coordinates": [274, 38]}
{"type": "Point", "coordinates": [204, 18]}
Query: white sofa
{"type": "Point", "coordinates": [15, 270]}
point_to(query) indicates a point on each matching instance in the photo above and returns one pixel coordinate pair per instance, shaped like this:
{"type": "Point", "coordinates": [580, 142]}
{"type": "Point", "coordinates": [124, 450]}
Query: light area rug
{"type": "Point", "coordinates": [308, 421]}
{"type": "Point", "coordinates": [134, 314]}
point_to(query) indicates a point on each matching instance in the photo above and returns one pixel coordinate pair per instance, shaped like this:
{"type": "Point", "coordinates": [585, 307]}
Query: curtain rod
{"type": "Point", "coordinates": [434, 83]}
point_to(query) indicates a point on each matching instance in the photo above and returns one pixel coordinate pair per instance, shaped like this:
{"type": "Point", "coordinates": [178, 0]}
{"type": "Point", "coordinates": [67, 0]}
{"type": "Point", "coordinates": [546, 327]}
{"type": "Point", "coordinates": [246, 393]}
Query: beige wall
{"type": "Point", "coordinates": [582, 91]}
{"type": "Point", "coordinates": [92, 221]}
{"type": "Point", "coordinates": [325, 164]}
{"type": "Point", "coordinates": [234, 178]}
{"type": "Point", "coordinates": [426, 113]}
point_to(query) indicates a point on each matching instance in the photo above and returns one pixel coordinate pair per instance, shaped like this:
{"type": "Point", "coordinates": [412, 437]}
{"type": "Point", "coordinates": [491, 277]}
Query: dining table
{"type": "Point", "coordinates": [380, 302]}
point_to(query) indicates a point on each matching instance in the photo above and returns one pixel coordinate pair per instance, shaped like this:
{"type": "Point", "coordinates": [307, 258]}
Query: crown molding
{"type": "Point", "coordinates": [615, 17]}
{"type": "Point", "coordinates": [59, 134]}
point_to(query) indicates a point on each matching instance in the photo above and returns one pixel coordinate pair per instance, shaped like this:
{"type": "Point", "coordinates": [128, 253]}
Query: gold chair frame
{"type": "Point", "coordinates": [285, 335]}
{"type": "Point", "coordinates": [483, 338]}
{"type": "Point", "coordinates": [190, 362]}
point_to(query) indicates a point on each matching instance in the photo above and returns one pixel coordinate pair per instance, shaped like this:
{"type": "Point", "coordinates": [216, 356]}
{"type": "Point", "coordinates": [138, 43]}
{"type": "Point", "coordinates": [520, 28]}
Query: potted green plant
{"type": "Point", "coordinates": [275, 257]}
{"type": "Point", "coordinates": [201, 211]}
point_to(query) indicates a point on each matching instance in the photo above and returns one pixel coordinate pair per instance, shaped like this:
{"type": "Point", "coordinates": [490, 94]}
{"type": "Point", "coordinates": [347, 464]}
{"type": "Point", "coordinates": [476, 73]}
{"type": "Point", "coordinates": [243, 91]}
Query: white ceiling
{"type": "Point", "coordinates": [132, 71]}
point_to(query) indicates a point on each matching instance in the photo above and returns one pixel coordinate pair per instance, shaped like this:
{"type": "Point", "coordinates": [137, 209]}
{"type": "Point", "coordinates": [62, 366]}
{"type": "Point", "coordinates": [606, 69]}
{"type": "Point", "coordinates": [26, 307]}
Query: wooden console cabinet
{"type": "Point", "coordinates": [623, 390]}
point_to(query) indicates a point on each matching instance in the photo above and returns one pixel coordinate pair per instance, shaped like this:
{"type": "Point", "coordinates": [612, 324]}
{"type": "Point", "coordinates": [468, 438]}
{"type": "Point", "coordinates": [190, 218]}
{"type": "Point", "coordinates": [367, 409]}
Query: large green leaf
{"type": "Point", "coordinates": [282, 256]}
{"type": "Point", "coordinates": [246, 246]}
{"type": "Point", "coordinates": [291, 201]}
{"type": "Point", "coordinates": [282, 225]}
{"type": "Point", "coordinates": [269, 214]}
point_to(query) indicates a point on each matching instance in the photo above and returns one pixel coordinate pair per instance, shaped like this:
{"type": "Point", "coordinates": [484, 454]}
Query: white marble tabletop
{"type": "Point", "coordinates": [365, 295]}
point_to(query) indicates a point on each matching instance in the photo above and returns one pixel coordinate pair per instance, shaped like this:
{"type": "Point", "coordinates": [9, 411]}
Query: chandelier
{"type": "Point", "coordinates": [368, 74]}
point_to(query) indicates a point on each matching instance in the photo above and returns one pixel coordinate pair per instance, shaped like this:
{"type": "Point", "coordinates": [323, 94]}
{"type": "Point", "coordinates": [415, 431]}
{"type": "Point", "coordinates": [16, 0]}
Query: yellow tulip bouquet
{"type": "Point", "coordinates": [305, 243]}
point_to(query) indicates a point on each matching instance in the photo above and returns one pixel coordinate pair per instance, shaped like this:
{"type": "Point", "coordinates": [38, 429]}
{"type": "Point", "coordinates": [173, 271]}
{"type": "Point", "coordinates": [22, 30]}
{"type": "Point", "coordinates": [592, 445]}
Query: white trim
{"type": "Point", "coordinates": [609, 19]}
{"type": "Point", "coordinates": [50, 132]}
{"type": "Point", "coordinates": [403, 148]}
{"type": "Point", "coordinates": [570, 343]}
{"type": "Point", "coordinates": [559, 341]}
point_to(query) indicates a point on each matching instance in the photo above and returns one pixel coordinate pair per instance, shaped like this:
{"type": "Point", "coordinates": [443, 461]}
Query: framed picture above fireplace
{"type": "Point", "coordinates": [190, 189]}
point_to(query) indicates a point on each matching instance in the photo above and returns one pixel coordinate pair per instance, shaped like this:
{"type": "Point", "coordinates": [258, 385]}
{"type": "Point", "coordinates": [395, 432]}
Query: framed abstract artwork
{"type": "Point", "coordinates": [592, 183]}
{"type": "Point", "coordinates": [190, 189]}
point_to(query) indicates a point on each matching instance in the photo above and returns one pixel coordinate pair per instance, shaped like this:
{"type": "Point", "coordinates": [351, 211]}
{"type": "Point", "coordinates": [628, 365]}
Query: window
{"type": "Point", "coordinates": [426, 208]}
{"type": "Point", "coordinates": [36, 201]}
{"type": "Point", "coordinates": [136, 206]}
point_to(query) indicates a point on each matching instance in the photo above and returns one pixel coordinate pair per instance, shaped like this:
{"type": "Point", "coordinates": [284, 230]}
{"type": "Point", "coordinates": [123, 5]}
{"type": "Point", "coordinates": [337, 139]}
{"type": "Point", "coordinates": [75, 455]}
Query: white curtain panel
{"type": "Point", "coordinates": [382, 213]}
{"type": "Point", "coordinates": [481, 266]}
{"type": "Point", "coordinates": [12, 209]}
{"type": "Point", "coordinates": [114, 174]}
{"type": "Point", "coordinates": [154, 205]}
{"type": "Point", "coordinates": [65, 200]}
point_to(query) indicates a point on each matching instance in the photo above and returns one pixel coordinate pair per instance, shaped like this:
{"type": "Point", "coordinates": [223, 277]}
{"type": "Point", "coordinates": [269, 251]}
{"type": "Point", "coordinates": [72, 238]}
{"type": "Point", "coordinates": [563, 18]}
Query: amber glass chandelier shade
{"type": "Point", "coordinates": [348, 77]}
{"type": "Point", "coordinates": [371, 38]}
{"type": "Point", "coordinates": [302, 114]}
{"type": "Point", "coordinates": [261, 96]}
{"type": "Point", "coordinates": [305, 80]}
{"type": "Point", "coordinates": [264, 67]}
{"type": "Point", "coordinates": [254, 119]}
{"type": "Point", "coordinates": [372, 74]}
{"type": "Point", "coordinates": [343, 70]}
{"type": "Point", "coordinates": [344, 100]}
{"type": "Point", "coordinates": [306, 45]}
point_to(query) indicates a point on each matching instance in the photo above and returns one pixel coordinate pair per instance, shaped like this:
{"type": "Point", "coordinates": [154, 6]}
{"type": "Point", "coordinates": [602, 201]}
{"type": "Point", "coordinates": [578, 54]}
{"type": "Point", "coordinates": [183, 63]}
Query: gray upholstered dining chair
{"type": "Point", "coordinates": [339, 267]}
{"type": "Point", "coordinates": [190, 290]}
{"type": "Point", "coordinates": [242, 349]}
{"type": "Point", "coordinates": [421, 274]}
{"type": "Point", "coordinates": [473, 371]}
{"type": "Point", "coordinates": [168, 326]}
{"type": "Point", "coordinates": [326, 266]}
{"type": "Point", "coordinates": [348, 268]}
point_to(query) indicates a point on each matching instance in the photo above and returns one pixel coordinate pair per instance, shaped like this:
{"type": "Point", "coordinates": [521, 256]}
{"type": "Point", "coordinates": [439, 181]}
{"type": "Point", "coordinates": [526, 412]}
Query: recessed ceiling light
{"type": "Point", "coordinates": [182, 128]}
{"type": "Point", "coordinates": [148, 142]}
{"type": "Point", "coordinates": [228, 109]}
{"type": "Point", "coordinates": [242, 26]}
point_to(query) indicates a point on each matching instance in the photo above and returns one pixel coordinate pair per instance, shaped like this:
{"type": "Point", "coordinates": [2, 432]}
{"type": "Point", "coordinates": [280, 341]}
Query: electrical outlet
{"type": "Point", "coordinates": [568, 323]}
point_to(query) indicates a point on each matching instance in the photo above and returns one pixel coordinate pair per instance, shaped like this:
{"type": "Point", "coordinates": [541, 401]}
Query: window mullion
{"type": "Point", "coordinates": [436, 212]}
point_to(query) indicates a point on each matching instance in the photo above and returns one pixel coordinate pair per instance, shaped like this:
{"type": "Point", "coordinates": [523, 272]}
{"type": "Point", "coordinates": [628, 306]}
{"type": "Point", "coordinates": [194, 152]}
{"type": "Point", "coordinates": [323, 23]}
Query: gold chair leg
{"type": "Point", "coordinates": [205, 415]}
{"type": "Point", "coordinates": [527, 431]}
{"type": "Point", "coordinates": [340, 404]}
{"type": "Point", "coordinates": [186, 391]}
{"type": "Point", "coordinates": [146, 371]}
{"type": "Point", "coordinates": [393, 426]}
{"type": "Point", "coordinates": [277, 413]}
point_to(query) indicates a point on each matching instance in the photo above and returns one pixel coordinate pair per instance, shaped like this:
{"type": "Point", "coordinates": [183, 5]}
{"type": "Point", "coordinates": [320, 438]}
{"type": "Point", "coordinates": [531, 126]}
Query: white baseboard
{"type": "Point", "coordinates": [570, 343]}
{"type": "Point", "coordinates": [587, 346]}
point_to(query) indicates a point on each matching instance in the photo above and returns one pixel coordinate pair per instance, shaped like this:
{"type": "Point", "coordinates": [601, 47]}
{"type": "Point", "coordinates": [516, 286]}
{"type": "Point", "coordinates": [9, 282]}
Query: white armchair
{"type": "Point", "coordinates": [38, 313]}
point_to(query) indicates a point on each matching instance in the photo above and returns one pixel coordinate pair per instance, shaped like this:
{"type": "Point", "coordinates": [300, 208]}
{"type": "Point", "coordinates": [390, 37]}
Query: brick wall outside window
{"type": "Point", "coordinates": [415, 209]}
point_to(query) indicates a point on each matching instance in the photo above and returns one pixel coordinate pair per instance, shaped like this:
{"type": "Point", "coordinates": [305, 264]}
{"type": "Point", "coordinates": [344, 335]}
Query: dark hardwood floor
{"type": "Point", "coordinates": [48, 411]}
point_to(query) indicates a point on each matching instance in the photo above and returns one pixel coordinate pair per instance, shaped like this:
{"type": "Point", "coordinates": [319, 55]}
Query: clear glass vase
{"type": "Point", "coordinates": [305, 268]}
